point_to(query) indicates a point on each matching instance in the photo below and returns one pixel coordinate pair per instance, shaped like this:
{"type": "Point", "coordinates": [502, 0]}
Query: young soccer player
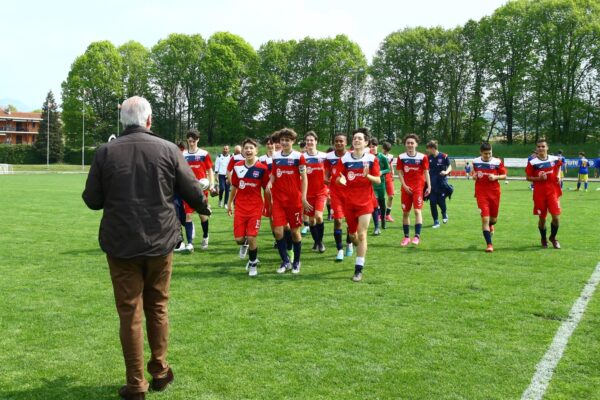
{"type": "Point", "coordinates": [317, 191]}
{"type": "Point", "coordinates": [542, 170]}
{"type": "Point", "coordinates": [487, 171]}
{"type": "Point", "coordinates": [379, 188]}
{"type": "Point", "coordinates": [247, 179]}
{"type": "Point", "coordinates": [583, 164]}
{"type": "Point", "coordinates": [337, 195]}
{"type": "Point", "coordinates": [201, 164]}
{"type": "Point", "coordinates": [439, 169]}
{"type": "Point", "coordinates": [389, 181]}
{"type": "Point", "coordinates": [289, 187]}
{"type": "Point", "coordinates": [413, 170]}
{"type": "Point", "coordinates": [358, 171]}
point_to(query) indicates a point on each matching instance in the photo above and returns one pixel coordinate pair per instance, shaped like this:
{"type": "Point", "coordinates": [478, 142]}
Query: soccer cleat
{"type": "Point", "coordinates": [489, 248]}
{"type": "Point", "coordinates": [377, 232]}
{"type": "Point", "coordinates": [349, 250]}
{"type": "Point", "coordinates": [405, 242]}
{"type": "Point", "coordinates": [544, 244]}
{"type": "Point", "coordinates": [283, 267]}
{"type": "Point", "coordinates": [189, 248]}
{"type": "Point", "coordinates": [389, 218]}
{"type": "Point", "coordinates": [340, 255]}
{"type": "Point", "coordinates": [243, 251]}
{"type": "Point", "coordinates": [226, 207]}
{"type": "Point", "coordinates": [296, 267]}
{"type": "Point", "coordinates": [304, 230]}
{"type": "Point", "coordinates": [436, 225]}
{"type": "Point", "coordinates": [357, 277]}
{"type": "Point", "coordinates": [314, 248]}
{"type": "Point", "coordinates": [204, 244]}
{"type": "Point", "coordinates": [252, 270]}
{"type": "Point", "coordinates": [321, 248]}
{"type": "Point", "coordinates": [445, 219]}
{"type": "Point", "coordinates": [220, 204]}
{"type": "Point", "coordinates": [416, 240]}
{"type": "Point", "coordinates": [180, 248]}
{"type": "Point", "coordinates": [555, 243]}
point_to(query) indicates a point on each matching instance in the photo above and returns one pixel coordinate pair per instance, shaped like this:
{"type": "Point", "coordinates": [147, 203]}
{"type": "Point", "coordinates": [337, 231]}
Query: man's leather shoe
{"type": "Point", "coordinates": [160, 384]}
{"type": "Point", "coordinates": [126, 395]}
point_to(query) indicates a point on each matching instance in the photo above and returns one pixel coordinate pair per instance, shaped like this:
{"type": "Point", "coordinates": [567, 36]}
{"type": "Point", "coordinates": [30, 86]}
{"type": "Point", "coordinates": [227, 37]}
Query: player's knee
{"type": "Point", "coordinates": [240, 240]}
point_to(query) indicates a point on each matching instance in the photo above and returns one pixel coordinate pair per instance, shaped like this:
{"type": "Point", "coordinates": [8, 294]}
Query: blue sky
{"type": "Point", "coordinates": [42, 38]}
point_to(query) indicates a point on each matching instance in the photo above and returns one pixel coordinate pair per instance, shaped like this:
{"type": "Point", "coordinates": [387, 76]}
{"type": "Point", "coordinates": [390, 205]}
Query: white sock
{"type": "Point", "coordinates": [360, 261]}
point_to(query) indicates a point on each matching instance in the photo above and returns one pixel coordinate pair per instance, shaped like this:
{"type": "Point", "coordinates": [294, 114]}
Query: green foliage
{"type": "Point", "coordinates": [56, 148]}
{"type": "Point", "coordinates": [73, 155]}
{"type": "Point", "coordinates": [20, 154]}
{"type": "Point", "coordinates": [531, 68]}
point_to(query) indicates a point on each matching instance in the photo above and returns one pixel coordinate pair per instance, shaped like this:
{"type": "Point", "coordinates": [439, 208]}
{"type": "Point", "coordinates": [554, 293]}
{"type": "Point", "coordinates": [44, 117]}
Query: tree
{"type": "Point", "coordinates": [136, 69]}
{"type": "Point", "coordinates": [50, 108]}
{"type": "Point", "coordinates": [95, 82]}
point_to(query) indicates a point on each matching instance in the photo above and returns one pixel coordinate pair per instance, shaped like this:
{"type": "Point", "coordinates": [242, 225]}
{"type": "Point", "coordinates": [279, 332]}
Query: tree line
{"type": "Point", "coordinates": [530, 69]}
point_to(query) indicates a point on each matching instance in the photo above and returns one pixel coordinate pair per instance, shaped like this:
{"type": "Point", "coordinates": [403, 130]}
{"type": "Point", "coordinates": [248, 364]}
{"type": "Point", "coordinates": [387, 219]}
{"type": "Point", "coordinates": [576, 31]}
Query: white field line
{"type": "Point", "coordinates": [545, 368]}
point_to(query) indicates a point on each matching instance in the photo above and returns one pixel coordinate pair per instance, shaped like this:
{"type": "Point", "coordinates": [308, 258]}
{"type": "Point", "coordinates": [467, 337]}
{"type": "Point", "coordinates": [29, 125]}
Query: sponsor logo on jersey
{"type": "Point", "coordinates": [351, 176]}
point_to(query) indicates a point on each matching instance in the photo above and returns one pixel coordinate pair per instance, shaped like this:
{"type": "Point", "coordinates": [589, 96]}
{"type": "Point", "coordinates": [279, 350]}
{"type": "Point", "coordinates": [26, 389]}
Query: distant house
{"type": "Point", "coordinates": [19, 127]}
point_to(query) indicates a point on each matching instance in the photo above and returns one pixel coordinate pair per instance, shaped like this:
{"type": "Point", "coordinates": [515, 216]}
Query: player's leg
{"type": "Point", "coordinates": [418, 207]}
{"type": "Point", "coordinates": [585, 182]}
{"type": "Point", "coordinates": [319, 222]}
{"type": "Point", "coordinates": [578, 182]}
{"type": "Point", "coordinates": [361, 246]}
{"type": "Point", "coordinates": [389, 187]}
{"type": "Point", "coordinates": [204, 223]}
{"type": "Point", "coordinates": [407, 202]}
{"type": "Point", "coordinates": [443, 208]}
{"type": "Point", "coordinates": [251, 229]}
{"type": "Point", "coordinates": [433, 205]}
{"type": "Point", "coordinates": [279, 223]}
{"type": "Point", "coordinates": [294, 219]}
{"type": "Point", "coordinates": [189, 231]}
{"type": "Point", "coordinates": [382, 207]}
{"type": "Point", "coordinates": [376, 215]}
{"type": "Point", "coordinates": [222, 179]}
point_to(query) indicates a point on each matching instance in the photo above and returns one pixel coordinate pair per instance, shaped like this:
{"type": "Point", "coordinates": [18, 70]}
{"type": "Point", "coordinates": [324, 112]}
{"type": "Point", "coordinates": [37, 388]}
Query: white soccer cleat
{"type": "Point", "coordinates": [180, 248]}
{"type": "Point", "coordinates": [340, 255]}
{"type": "Point", "coordinates": [204, 244]}
{"type": "Point", "coordinates": [445, 220]}
{"type": "Point", "coordinates": [253, 270]}
{"type": "Point", "coordinates": [436, 225]}
{"type": "Point", "coordinates": [296, 268]}
{"type": "Point", "coordinates": [189, 248]}
{"type": "Point", "coordinates": [349, 250]}
{"type": "Point", "coordinates": [283, 267]}
{"type": "Point", "coordinates": [243, 251]}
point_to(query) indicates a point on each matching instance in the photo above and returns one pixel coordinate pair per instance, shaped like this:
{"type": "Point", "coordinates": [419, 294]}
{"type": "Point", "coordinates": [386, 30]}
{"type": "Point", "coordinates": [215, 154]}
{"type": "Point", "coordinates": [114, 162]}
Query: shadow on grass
{"type": "Point", "coordinates": [62, 388]}
{"type": "Point", "coordinates": [227, 270]}
{"type": "Point", "coordinates": [76, 252]}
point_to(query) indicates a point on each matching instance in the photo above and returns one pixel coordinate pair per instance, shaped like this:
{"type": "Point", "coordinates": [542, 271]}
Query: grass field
{"type": "Point", "coordinates": [441, 321]}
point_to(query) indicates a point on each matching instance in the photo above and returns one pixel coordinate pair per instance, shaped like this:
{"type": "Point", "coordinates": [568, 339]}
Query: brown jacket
{"type": "Point", "coordinates": [133, 179]}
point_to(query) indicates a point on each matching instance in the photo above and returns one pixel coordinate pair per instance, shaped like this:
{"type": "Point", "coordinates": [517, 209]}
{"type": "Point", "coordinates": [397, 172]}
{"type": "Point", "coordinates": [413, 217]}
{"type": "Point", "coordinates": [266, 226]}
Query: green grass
{"type": "Point", "coordinates": [442, 321]}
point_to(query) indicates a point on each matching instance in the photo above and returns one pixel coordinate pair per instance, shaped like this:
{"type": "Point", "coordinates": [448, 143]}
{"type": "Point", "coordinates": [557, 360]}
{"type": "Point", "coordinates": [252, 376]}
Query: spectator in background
{"type": "Point", "coordinates": [468, 170]}
{"type": "Point", "coordinates": [140, 190]}
{"type": "Point", "coordinates": [221, 164]}
{"type": "Point", "coordinates": [439, 169]}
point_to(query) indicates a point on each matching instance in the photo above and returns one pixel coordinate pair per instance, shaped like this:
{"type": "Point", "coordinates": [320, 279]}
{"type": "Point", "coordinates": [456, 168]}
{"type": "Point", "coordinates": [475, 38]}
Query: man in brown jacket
{"type": "Point", "coordinates": [133, 179]}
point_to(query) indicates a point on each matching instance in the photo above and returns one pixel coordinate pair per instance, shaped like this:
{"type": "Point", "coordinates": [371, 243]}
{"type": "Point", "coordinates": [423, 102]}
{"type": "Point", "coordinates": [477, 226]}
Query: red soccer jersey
{"type": "Point", "coordinates": [287, 189]}
{"type": "Point", "coordinates": [482, 169]}
{"type": "Point", "coordinates": [359, 190]}
{"type": "Point", "coordinates": [549, 167]}
{"type": "Point", "coordinates": [315, 172]}
{"type": "Point", "coordinates": [249, 182]}
{"type": "Point", "coordinates": [413, 168]}
{"type": "Point", "coordinates": [234, 160]}
{"type": "Point", "coordinates": [199, 162]}
{"type": "Point", "coordinates": [267, 160]}
{"type": "Point", "coordinates": [332, 165]}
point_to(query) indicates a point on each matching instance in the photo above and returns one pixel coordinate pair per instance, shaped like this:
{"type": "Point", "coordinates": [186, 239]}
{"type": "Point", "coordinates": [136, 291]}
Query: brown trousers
{"type": "Point", "coordinates": [142, 283]}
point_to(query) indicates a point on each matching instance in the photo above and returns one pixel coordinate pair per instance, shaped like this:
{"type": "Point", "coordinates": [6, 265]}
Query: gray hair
{"type": "Point", "coordinates": [135, 111]}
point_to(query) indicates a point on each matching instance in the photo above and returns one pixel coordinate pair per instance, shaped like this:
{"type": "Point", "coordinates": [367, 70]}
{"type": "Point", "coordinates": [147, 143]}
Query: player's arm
{"type": "Point", "coordinates": [448, 169]}
{"type": "Point", "coordinates": [427, 181]}
{"type": "Point", "coordinates": [403, 184]}
{"type": "Point", "coordinates": [372, 173]}
{"type": "Point", "coordinates": [384, 166]}
{"type": "Point", "coordinates": [304, 186]}
{"type": "Point", "coordinates": [531, 177]}
{"type": "Point", "coordinates": [230, 201]}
